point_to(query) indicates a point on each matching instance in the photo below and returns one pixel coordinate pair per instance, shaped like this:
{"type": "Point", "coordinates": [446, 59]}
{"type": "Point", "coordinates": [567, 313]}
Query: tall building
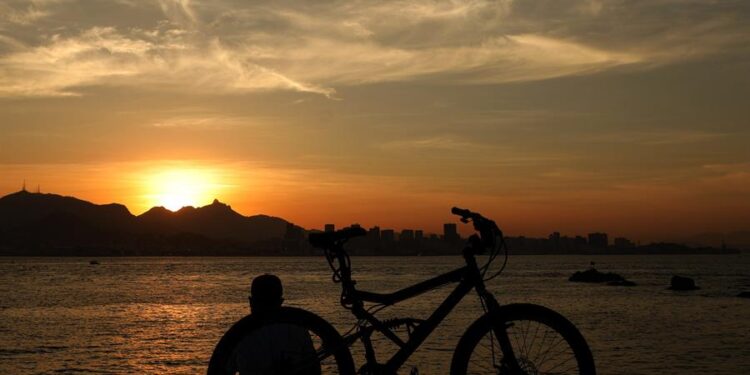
{"type": "Point", "coordinates": [387, 236]}
{"type": "Point", "coordinates": [623, 243]}
{"type": "Point", "coordinates": [554, 240]}
{"type": "Point", "coordinates": [357, 244]}
{"type": "Point", "coordinates": [406, 235]}
{"type": "Point", "coordinates": [598, 240]}
{"type": "Point", "coordinates": [373, 234]}
{"type": "Point", "coordinates": [580, 241]}
{"type": "Point", "coordinates": [330, 228]}
{"type": "Point", "coordinates": [450, 232]}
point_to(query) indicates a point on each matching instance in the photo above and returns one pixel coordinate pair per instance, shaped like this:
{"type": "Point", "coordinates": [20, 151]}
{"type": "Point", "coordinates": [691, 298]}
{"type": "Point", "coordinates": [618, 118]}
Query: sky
{"type": "Point", "coordinates": [629, 117]}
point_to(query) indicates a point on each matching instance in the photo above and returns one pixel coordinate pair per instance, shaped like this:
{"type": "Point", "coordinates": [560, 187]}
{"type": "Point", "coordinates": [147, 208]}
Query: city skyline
{"type": "Point", "coordinates": [454, 231]}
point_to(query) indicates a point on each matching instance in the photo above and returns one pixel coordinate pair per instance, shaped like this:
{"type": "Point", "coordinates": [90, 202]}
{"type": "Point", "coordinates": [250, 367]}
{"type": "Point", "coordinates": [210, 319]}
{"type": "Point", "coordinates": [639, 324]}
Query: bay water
{"type": "Point", "coordinates": [164, 315]}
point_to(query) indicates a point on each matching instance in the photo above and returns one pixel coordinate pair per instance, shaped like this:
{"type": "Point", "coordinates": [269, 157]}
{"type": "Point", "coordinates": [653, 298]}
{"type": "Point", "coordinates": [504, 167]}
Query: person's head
{"type": "Point", "coordinates": [265, 294]}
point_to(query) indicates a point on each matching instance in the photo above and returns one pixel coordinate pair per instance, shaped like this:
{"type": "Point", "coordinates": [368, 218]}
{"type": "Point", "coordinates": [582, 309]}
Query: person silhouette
{"type": "Point", "coordinates": [274, 348]}
{"type": "Point", "coordinates": [266, 295]}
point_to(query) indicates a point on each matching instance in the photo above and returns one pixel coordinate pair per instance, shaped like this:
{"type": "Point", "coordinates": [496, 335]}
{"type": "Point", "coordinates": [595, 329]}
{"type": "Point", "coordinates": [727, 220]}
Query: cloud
{"type": "Point", "coordinates": [223, 47]}
{"type": "Point", "coordinates": [434, 143]}
{"type": "Point", "coordinates": [160, 58]}
{"type": "Point", "coordinates": [207, 121]}
{"type": "Point", "coordinates": [504, 59]}
{"type": "Point", "coordinates": [23, 16]}
{"type": "Point", "coordinates": [654, 137]}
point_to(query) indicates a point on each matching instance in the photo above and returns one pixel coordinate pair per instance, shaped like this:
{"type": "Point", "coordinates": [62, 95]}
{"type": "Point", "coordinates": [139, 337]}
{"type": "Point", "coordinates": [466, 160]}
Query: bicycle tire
{"type": "Point", "coordinates": [329, 342]}
{"type": "Point", "coordinates": [471, 357]}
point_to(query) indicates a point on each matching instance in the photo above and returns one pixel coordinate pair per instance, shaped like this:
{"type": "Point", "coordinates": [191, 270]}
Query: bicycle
{"type": "Point", "coordinates": [498, 342]}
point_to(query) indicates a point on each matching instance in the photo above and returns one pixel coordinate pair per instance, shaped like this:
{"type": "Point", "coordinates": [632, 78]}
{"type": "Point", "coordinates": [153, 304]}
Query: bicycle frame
{"type": "Point", "coordinates": [467, 277]}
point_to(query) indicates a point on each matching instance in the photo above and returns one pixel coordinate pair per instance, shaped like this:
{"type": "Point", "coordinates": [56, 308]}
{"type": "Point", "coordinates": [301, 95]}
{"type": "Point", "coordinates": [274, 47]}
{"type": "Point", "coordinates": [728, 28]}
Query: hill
{"type": "Point", "coordinates": [51, 224]}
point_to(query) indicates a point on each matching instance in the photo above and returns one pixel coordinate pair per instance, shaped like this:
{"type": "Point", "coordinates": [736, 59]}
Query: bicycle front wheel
{"type": "Point", "coordinates": [325, 352]}
{"type": "Point", "coordinates": [543, 342]}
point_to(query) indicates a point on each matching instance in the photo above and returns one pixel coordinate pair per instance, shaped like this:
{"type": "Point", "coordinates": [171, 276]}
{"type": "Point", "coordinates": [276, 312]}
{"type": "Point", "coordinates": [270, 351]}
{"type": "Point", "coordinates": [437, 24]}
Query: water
{"type": "Point", "coordinates": [164, 315]}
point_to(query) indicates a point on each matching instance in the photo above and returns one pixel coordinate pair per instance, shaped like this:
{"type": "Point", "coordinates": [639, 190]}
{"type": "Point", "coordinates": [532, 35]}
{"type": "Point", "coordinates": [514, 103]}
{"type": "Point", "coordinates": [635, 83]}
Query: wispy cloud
{"type": "Point", "coordinates": [220, 47]}
{"type": "Point", "coordinates": [443, 142]}
{"type": "Point", "coordinates": [25, 14]}
{"type": "Point", "coordinates": [207, 121]}
{"type": "Point", "coordinates": [158, 59]}
{"type": "Point", "coordinates": [654, 138]}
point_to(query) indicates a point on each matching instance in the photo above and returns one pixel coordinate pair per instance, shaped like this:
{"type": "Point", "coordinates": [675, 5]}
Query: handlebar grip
{"type": "Point", "coordinates": [461, 212]}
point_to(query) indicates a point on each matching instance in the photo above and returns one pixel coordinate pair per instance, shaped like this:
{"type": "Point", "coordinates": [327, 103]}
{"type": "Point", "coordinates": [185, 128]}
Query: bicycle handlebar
{"type": "Point", "coordinates": [465, 214]}
{"type": "Point", "coordinates": [486, 227]}
{"type": "Point", "coordinates": [481, 223]}
{"type": "Point", "coordinates": [460, 211]}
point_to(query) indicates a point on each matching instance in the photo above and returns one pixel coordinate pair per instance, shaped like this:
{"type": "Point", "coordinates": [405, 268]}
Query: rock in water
{"type": "Point", "coordinates": [682, 283]}
{"type": "Point", "coordinates": [594, 276]}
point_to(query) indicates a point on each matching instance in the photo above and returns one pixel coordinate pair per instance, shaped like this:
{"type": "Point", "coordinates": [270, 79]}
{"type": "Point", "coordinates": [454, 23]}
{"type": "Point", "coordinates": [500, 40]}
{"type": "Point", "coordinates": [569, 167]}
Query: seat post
{"type": "Point", "coordinates": [472, 271]}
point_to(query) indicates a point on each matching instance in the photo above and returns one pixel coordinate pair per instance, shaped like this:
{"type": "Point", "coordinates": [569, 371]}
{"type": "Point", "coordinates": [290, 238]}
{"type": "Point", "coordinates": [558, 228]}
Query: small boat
{"type": "Point", "coordinates": [94, 262]}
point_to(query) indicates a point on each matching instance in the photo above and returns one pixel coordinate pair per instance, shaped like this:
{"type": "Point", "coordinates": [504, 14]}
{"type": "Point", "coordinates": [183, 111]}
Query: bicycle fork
{"type": "Point", "coordinates": [500, 330]}
{"type": "Point", "coordinates": [509, 362]}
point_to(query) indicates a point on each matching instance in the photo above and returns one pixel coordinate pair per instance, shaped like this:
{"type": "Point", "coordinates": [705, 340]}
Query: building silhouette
{"type": "Point", "coordinates": [598, 240]}
{"type": "Point", "coordinates": [623, 243]}
{"type": "Point", "coordinates": [373, 234]}
{"type": "Point", "coordinates": [406, 235]}
{"type": "Point", "coordinates": [387, 237]}
{"type": "Point", "coordinates": [450, 233]}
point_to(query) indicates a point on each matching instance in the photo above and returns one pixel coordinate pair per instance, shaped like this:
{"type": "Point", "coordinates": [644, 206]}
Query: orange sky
{"type": "Point", "coordinates": [573, 116]}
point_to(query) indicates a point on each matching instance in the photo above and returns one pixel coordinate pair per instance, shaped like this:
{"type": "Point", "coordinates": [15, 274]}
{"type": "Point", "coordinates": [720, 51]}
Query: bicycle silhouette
{"type": "Point", "coordinates": [507, 339]}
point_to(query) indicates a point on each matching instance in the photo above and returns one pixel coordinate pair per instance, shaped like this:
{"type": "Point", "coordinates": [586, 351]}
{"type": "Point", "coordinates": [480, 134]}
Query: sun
{"type": "Point", "coordinates": [177, 188]}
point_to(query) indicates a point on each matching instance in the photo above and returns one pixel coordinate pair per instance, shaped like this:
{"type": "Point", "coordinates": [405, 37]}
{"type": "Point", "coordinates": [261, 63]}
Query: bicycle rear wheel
{"type": "Point", "coordinates": [332, 355]}
{"type": "Point", "coordinates": [543, 342]}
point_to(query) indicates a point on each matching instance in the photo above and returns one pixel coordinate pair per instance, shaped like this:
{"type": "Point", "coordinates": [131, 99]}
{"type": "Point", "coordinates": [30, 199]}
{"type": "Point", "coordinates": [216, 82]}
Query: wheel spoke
{"type": "Point", "coordinates": [543, 342]}
{"type": "Point", "coordinates": [541, 346]}
{"type": "Point", "coordinates": [533, 338]}
{"type": "Point", "coordinates": [560, 364]}
{"type": "Point", "coordinates": [546, 352]}
{"type": "Point", "coordinates": [525, 333]}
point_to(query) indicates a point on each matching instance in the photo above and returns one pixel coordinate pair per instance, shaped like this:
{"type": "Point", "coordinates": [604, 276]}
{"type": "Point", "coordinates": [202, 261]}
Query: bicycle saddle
{"type": "Point", "coordinates": [329, 239]}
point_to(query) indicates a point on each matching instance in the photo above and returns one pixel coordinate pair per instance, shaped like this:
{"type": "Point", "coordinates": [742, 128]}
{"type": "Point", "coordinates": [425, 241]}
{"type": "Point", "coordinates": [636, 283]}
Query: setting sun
{"type": "Point", "coordinates": [177, 188]}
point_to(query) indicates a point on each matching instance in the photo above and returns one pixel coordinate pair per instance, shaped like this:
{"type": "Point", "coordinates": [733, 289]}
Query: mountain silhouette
{"type": "Point", "coordinates": [24, 208]}
{"type": "Point", "coordinates": [216, 220]}
{"type": "Point", "coordinates": [35, 223]}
